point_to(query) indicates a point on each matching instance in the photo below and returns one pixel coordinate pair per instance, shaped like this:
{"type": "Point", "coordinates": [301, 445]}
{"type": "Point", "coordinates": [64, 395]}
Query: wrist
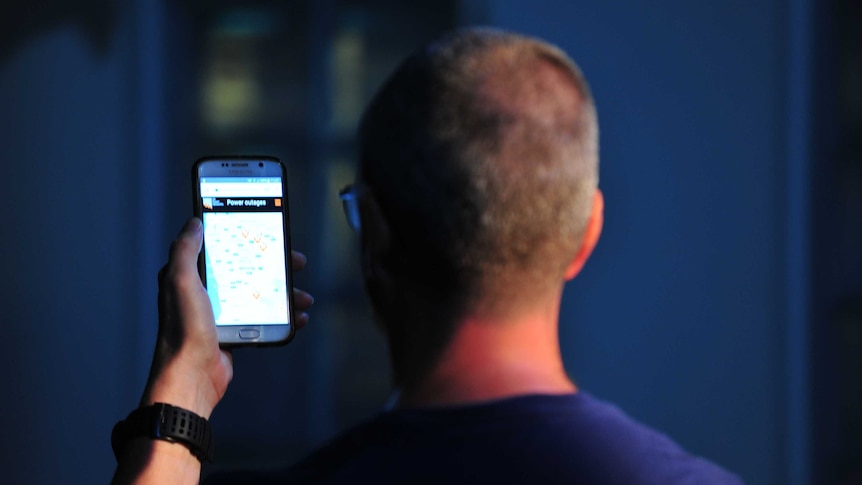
{"type": "Point", "coordinates": [181, 386]}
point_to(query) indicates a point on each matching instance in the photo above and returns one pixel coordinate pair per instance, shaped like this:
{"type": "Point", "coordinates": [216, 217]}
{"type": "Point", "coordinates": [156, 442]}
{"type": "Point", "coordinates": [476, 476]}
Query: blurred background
{"type": "Point", "coordinates": [722, 306]}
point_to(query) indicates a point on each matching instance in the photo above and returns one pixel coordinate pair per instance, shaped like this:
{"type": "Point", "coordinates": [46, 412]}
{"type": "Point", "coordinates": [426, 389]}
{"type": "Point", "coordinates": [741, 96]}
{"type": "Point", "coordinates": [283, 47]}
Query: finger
{"type": "Point", "coordinates": [188, 242]}
{"type": "Point", "coordinates": [182, 262]}
{"type": "Point", "coordinates": [227, 358]}
{"type": "Point", "coordinates": [184, 292]}
{"type": "Point", "coordinates": [298, 259]}
{"type": "Point", "coordinates": [302, 299]}
{"type": "Point", "coordinates": [301, 320]}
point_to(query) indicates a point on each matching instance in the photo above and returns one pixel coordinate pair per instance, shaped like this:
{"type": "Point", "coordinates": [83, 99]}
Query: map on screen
{"type": "Point", "coordinates": [245, 266]}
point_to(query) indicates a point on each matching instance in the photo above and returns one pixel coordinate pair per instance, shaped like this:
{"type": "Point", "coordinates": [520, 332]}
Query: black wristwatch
{"type": "Point", "coordinates": [165, 422]}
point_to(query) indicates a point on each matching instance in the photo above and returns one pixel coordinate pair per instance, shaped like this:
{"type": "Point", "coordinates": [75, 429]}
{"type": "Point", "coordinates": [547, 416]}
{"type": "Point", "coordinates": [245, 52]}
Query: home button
{"type": "Point", "coordinates": [249, 334]}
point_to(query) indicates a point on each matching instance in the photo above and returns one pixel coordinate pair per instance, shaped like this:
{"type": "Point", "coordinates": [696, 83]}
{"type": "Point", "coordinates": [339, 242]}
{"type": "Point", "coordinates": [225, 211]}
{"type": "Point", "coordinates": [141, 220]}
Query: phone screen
{"type": "Point", "coordinates": [245, 250]}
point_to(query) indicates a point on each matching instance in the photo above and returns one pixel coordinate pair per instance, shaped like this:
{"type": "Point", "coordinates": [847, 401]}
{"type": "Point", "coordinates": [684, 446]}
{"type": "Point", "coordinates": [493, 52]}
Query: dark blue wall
{"type": "Point", "coordinates": [69, 287]}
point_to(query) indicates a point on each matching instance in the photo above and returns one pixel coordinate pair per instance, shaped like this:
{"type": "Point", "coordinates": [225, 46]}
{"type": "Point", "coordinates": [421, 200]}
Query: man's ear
{"type": "Point", "coordinates": [376, 248]}
{"type": "Point", "coordinates": [375, 235]}
{"type": "Point", "coordinates": [591, 236]}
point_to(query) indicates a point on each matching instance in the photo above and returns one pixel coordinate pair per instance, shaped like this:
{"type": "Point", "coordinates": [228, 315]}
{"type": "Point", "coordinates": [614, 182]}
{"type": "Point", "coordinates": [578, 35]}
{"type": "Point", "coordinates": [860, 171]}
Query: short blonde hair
{"type": "Point", "coordinates": [482, 151]}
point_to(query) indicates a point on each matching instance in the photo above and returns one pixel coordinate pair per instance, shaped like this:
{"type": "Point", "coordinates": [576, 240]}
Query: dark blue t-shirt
{"type": "Point", "coordinates": [571, 439]}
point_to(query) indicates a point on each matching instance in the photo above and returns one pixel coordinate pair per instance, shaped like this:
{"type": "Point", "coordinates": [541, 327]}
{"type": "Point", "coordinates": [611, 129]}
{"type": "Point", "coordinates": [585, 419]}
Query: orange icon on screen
{"type": "Point", "coordinates": [278, 202]}
{"type": "Point", "coordinates": [257, 237]}
{"type": "Point", "coordinates": [244, 233]}
{"type": "Point", "coordinates": [262, 246]}
{"type": "Point", "coordinates": [256, 294]}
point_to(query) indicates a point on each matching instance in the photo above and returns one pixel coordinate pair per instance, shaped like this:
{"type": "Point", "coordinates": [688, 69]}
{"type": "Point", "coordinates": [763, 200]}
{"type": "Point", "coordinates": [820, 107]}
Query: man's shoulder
{"type": "Point", "coordinates": [576, 438]}
{"type": "Point", "coordinates": [571, 438]}
{"type": "Point", "coordinates": [605, 445]}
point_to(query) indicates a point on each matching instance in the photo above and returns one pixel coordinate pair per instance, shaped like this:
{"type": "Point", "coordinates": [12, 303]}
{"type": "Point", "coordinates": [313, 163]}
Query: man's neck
{"type": "Point", "coordinates": [492, 358]}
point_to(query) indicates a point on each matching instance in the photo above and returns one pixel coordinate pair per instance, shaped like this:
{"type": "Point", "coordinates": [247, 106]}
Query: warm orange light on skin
{"type": "Point", "coordinates": [493, 360]}
{"type": "Point", "coordinates": [591, 235]}
{"type": "Point", "coordinates": [492, 356]}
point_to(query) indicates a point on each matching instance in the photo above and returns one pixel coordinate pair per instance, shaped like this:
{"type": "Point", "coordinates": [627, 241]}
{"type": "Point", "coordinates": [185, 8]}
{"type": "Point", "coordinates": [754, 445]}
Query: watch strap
{"type": "Point", "coordinates": [166, 422]}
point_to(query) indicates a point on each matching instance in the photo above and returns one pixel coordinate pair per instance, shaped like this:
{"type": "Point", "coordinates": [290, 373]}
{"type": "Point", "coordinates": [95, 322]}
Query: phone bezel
{"type": "Point", "coordinates": [214, 166]}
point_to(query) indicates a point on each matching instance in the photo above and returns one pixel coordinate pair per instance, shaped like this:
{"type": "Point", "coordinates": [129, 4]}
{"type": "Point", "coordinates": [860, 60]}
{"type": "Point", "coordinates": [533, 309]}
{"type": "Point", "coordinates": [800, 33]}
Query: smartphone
{"type": "Point", "coordinates": [245, 261]}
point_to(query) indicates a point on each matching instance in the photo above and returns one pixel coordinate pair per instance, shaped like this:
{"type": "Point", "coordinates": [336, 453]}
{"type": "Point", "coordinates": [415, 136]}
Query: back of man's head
{"type": "Point", "coordinates": [482, 153]}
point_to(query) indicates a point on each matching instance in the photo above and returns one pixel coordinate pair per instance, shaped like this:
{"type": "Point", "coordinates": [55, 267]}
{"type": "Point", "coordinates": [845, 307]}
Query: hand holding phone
{"type": "Point", "coordinates": [245, 262]}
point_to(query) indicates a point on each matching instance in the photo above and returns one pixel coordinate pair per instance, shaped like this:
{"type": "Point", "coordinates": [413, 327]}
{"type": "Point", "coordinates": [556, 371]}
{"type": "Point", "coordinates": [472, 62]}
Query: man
{"type": "Point", "coordinates": [476, 201]}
